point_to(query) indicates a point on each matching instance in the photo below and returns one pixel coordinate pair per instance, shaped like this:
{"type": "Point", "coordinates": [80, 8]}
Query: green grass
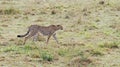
{"type": "Point", "coordinates": [46, 56]}
{"type": "Point", "coordinates": [9, 11]}
{"type": "Point", "coordinates": [90, 37]}
{"type": "Point", "coordinates": [110, 45]}
{"type": "Point", "coordinates": [62, 52]}
{"type": "Point", "coordinates": [97, 52]}
{"type": "Point", "coordinates": [9, 49]}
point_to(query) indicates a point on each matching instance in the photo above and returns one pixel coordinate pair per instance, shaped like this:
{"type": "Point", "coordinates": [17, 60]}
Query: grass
{"type": "Point", "coordinates": [80, 62]}
{"type": "Point", "coordinates": [46, 56]}
{"type": "Point", "coordinates": [9, 49]}
{"type": "Point", "coordinates": [62, 52]}
{"type": "Point", "coordinates": [9, 11]}
{"type": "Point", "coordinates": [90, 37]}
{"type": "Point", "coordinates": [110, 45]}
{"type": "Point", "coordinates": [97, 52]}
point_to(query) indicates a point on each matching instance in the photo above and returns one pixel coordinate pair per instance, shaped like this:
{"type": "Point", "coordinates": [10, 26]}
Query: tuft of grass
{"type": "Point", "coordinates": [46, 56]}
{"type": "Point", "coordinates": [96, 52]}
{"type": "Point", "coordinates": [34, 53]}
{"type": "Point", "coordinates": [9, 49]}
{"type": "Point", "coordinates": [30, 47]}
{"type": "Point", "coordinates": [80, 53]}
{"type": "Point", "coordinates": [9, 11]}
{"type": "Point", "coordinates": [25, 18]}
{"type": "Point", "coordinates": [110, 45]}
{"type": "Point", "coordinates": [87, 35]}
{"type": "Point", "coordinates": [62, 52]}
{"type": "Point", "coordinates": [65, 51]}
{"type": "Point", "coordinates": [79, 62]}
{"type": "Point", "coordinates": [79, 21]}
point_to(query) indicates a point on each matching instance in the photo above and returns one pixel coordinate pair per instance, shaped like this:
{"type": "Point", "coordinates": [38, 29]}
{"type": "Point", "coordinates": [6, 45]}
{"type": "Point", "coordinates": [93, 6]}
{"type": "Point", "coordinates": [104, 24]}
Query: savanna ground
{"type": "Point", "coordinates": [91, 36]}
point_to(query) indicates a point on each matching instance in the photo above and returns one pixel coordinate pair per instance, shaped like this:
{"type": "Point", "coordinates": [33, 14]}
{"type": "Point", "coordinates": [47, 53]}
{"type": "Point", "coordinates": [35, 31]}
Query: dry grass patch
{"type": "Point", "coordinates": [110, 45]}
{"type": "Point", "coordinates": [80, 62]}
{"type": "Point", "coordinates": [9, 11]}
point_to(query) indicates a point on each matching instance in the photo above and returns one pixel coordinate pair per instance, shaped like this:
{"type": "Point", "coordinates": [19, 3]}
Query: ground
{"type": "Point", "coordinates": [90, 37]}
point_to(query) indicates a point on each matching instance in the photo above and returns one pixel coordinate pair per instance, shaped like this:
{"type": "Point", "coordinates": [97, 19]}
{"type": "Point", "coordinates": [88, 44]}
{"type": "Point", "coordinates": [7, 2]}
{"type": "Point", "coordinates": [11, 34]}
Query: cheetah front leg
{"type": "Point", "coordinates": [54, 36]}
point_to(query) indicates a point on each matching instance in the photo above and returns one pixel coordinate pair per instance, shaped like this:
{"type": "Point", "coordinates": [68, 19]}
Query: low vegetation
{"type": "Point", "coordinates": [9, 11]}
{"type": "Point", "coordinates": [110, 45]}
{"type": "Point", "coordinates": [90, 37]}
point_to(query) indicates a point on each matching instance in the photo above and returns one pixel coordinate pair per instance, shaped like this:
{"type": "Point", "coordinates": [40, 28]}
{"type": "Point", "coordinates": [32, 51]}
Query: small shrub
{"type": "Point", "coordinates": [46, 56]}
